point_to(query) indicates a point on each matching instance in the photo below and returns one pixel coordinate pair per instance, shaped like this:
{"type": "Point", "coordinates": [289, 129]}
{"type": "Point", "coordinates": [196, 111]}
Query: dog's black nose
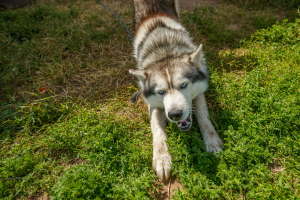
{"type": "Point", "coordinates": [175, 115]}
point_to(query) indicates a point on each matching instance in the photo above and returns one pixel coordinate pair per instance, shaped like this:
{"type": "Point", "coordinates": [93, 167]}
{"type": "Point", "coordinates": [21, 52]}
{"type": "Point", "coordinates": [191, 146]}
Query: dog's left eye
{"type": "Point", "coordinates": [161, 92]}
{"type": "Point", "coordinates": [184, 85]}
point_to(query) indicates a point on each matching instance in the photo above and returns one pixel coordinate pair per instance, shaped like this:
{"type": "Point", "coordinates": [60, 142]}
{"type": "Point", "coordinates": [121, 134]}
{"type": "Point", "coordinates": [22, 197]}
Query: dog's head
{"type": "Point", "coordinates": [173, 83]}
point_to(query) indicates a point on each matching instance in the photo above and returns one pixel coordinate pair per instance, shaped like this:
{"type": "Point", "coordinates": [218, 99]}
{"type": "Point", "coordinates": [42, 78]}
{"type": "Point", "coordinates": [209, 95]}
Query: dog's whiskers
{"type": "Point", "coordinates": [193, 110]}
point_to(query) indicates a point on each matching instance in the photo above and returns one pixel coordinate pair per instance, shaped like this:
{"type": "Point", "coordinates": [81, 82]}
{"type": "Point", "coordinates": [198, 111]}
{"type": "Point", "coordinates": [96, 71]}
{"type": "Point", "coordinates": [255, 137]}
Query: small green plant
{"type": "Point", "coordinates": [258, 114]}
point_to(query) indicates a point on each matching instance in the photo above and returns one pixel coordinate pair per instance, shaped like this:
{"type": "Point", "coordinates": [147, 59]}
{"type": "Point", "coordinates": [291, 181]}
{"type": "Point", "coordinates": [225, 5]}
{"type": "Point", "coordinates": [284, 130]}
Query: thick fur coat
{"type": "Point", "coordinates": [172, 75]}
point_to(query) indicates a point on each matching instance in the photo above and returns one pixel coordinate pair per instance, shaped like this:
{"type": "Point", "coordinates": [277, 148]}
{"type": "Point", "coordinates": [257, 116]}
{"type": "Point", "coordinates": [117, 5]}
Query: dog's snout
{"type": "Point", "coordinates": [175, 115]}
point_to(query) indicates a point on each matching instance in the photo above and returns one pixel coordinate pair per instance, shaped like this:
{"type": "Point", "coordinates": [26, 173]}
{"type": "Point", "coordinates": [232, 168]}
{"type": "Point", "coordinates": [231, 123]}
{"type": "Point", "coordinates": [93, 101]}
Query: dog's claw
{"type": "Point", "coordinates": [214, 144]}
{"type": "Point", "coordinates": [162, 166]}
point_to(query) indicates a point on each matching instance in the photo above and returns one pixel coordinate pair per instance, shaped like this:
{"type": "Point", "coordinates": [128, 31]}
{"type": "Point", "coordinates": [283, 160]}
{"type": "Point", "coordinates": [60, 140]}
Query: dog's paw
{"type": "Point", "coordinates": [162, 166]}
{"type": "Point", "coordinates": [214, 143]}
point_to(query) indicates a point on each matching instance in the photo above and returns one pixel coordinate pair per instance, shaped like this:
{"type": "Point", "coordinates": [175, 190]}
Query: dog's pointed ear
{"type": "Point", "coordinates": [140, 74]}
{"type": "Point", "coordinates": [197, 56]}
{"type": "Point", "coordinates": [135, 96]}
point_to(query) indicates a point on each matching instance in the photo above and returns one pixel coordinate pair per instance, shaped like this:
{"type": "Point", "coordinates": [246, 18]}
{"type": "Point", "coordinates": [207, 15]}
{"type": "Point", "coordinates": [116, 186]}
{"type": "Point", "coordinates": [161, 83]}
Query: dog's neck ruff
{"type": "Point", "coordinates": [160, 37]}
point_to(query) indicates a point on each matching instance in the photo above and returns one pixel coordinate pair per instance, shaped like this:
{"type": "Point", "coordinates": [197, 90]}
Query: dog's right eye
{"type": "Point", "coordinates": [184, 85]}
{"type": "Point", "coordinates": [160, 92]}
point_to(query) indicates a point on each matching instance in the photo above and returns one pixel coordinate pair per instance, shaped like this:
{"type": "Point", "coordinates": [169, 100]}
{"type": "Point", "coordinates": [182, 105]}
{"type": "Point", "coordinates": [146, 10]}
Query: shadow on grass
{"type": "Point", "coordinates": [188, 150]}
{"type": "Point", "coordinates": [75, 50]}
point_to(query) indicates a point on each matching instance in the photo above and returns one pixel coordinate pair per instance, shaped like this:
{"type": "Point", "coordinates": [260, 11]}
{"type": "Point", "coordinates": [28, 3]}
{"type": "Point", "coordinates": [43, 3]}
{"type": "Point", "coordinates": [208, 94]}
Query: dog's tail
{"type": "Point", "coordinates": [145, 8]}
{"type": "Point", "coordinates": [176, 4]}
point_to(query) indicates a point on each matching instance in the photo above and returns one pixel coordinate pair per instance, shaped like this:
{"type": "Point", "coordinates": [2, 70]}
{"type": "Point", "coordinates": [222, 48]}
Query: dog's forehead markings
{"type": "Point", "coordinates": [169, 78]}
{"type": "Point", "coordinates": [169, 74]}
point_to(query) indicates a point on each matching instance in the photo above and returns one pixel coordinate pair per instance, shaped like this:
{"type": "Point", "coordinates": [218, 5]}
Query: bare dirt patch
{"type": "Point", "coordinates": [171, 186]}
{"type": "Point", "coordinates": [42, 197]}
{"type": "Point", "coordinates": [275, 168]}
{"type": "Point", "coordinates": [14, 3]}
{"type": "Point", "coordinates": [234, 27]}
{"type": "Point", "coordinates": [190, 5]}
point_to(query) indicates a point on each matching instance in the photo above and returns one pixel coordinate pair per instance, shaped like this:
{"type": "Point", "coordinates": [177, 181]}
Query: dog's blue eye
{"type": "Point", "coordinates": [161, 92]}
{"type": "Point", "coordinates": [184, 85]}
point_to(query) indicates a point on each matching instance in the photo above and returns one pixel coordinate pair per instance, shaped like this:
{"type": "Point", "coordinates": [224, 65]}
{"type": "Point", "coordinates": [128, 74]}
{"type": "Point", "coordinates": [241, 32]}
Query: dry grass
{"type": "Point", "coordinates": [96, 71]}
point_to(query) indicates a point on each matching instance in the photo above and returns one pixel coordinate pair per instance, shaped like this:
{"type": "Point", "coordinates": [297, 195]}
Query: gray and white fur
{"type": "Point", "coordinates": [173, 76]}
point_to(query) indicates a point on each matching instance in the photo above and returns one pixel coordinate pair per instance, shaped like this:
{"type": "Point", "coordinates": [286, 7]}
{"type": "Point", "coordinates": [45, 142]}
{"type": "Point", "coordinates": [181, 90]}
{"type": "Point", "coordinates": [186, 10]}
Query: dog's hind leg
{"type": "Point", "coordinates": [161, 158]}
{"type": "Point", "coordinates": [210, 136]}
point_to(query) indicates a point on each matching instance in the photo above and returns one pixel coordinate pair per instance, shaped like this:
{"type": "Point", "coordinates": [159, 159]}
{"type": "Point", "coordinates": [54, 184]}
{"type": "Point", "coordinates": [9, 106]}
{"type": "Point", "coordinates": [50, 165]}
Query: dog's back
{"type": "Point", "coordinates": [159, 34]}
{"type": "Point", "coordinates": [144, 9]}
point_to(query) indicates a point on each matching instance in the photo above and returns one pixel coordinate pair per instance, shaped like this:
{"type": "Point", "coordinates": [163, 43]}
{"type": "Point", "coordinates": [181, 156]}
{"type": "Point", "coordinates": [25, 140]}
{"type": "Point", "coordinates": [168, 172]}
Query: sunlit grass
{"type": "Point", "coordinates": [83, 139]}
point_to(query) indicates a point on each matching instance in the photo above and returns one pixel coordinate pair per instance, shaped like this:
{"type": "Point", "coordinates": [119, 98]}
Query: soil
{"type": "Point", "coordinates": [14, 3]}
{"type": "Point", "coordinates": [42, 197]}
{"type": "Point", "coordinates": [190, 5]}
{"type": "Point", "coordinates": [234, 27]}
{"type": "Point", "coordinates": [163, 192]}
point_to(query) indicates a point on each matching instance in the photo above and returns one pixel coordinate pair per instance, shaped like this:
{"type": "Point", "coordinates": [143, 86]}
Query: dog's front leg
{"type": "Point", "coordinates": [210, 136]}
{"type": "Point", "coordinates": [161, 158]}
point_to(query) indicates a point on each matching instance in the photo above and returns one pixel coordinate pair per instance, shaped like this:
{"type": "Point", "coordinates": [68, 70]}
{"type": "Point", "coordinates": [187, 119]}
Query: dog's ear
{"type": "Point", "coordinates": [197, 57]}
{"type": "Point", "coordinates": [140, 74]}
{"type": "Point", "coordinates": [135, 96]}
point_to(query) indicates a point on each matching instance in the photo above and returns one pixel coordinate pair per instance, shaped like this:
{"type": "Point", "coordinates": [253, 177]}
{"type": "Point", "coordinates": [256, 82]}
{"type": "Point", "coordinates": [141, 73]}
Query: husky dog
{"type": "Point", "coordinates": [172, 75]}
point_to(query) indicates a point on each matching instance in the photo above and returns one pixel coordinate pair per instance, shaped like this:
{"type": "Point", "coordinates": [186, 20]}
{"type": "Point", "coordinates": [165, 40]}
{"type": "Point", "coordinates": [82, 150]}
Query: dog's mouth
{"type": "Point", "coordinates": [185, 124]}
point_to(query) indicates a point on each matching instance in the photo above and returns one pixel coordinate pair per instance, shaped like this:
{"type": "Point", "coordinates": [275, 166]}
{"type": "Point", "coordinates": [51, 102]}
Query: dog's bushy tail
{"type": "Point", "coordinates": [146, 8]}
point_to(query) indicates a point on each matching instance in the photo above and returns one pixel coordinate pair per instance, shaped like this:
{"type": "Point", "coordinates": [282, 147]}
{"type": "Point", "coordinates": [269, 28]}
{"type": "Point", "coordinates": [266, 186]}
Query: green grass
{"type": "Point", "coordinates": [83, 139]}
{"type": "Point", "coordinates": [257, 113]}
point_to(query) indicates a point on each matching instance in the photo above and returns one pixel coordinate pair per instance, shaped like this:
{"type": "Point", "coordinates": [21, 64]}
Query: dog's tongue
{"type": "Point", "coordinates": [183, 123]}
